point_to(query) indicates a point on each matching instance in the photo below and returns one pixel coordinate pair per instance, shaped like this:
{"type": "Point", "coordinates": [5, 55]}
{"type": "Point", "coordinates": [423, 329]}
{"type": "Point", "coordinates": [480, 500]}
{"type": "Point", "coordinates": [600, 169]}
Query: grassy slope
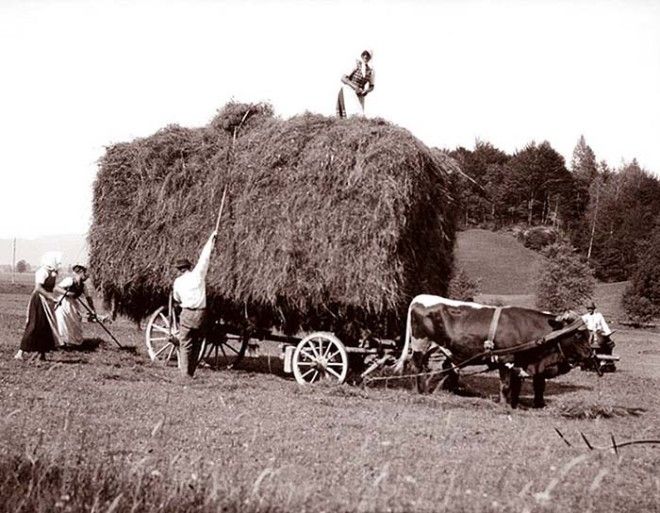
{"type": "Point", "coordinates": [92, 429]}
{"type": "Point", "coordinates": [503, 264]}
{"type": "Point", "coordinates": [508, 272]}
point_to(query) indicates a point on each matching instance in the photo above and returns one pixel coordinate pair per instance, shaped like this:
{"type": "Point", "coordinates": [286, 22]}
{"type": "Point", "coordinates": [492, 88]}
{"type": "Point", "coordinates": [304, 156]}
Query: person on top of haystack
{"type": "Point", "coordinates": [67, 311]}
{"type": "Point", "coordinates": [40, 334]}
{"type": "Point", "coordinates": [599, 333]}
{"type": "Point", "coordinates": [356, 86]}
{"type": "Point", "coordinates": [189, 291]}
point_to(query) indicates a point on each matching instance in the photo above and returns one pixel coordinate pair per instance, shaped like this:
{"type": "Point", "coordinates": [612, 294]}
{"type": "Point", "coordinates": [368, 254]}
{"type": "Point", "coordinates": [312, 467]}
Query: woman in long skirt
{"type": "Point", "coordinates": [356, 86]}
{"type": "Point", "coordinates": [40, 335]}
{"type": "Point", "coordinates": [68, 312]}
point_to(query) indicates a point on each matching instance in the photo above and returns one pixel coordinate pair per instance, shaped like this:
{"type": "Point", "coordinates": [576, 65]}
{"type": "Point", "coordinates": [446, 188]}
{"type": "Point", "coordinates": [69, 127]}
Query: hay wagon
{"type": "Point", "coordinates": [329, 223]}
{"type": "Point", "coordinates": [319, 355]}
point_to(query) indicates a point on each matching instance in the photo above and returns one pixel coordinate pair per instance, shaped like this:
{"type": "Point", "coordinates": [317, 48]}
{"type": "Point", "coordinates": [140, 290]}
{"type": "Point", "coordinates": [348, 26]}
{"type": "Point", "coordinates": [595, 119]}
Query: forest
{"type": "Point", "coordinates": [609, 216]}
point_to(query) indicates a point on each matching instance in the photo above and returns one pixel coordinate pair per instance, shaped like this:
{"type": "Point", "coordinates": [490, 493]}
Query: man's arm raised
{"type": "Point", "coordinates": [205, 256]}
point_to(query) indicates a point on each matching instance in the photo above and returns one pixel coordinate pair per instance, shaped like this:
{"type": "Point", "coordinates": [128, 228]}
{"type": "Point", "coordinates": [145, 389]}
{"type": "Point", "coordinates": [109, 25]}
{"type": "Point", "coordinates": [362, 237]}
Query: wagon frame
{"type": "Point", "coordinates": [319, 355]}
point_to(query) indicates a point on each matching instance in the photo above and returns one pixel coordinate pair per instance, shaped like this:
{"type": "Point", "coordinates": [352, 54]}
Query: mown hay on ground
{"type": "Point", "coordinates": [327, 223]}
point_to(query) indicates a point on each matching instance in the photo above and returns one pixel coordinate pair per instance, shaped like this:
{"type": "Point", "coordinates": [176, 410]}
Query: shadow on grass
{"type": "Point", "coordinates": [88, 345]}
{"type": "Point", "coordinates": [485, 386]}
{"type": "Point", "coordinates": [263, 364]}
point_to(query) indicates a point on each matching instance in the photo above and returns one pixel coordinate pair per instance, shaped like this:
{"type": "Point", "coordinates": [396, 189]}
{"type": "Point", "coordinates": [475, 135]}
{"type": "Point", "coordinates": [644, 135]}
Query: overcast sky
{"type": "Point", "coordinates": [80, 75]}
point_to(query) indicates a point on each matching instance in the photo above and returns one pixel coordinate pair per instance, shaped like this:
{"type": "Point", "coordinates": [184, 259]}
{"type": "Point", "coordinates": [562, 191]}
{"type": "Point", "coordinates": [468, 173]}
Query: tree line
{"type": "Point", "coordinates": [608, 215]}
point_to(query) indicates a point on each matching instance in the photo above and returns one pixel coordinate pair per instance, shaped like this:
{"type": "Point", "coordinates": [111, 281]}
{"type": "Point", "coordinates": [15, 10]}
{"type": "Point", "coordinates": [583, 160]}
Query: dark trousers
{"type": "Point", "coordinates": [190, 339]}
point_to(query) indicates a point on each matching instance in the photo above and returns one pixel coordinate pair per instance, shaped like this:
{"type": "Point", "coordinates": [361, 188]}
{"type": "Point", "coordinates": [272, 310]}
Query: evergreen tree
{"type": "Point", "coordinates": [583, 163]}
{"type": "Point", "coordinates": [641, 300]}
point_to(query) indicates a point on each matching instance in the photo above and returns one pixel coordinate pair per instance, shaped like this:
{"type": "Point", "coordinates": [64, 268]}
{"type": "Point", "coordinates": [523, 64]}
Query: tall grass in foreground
{"type": "Point", "coordinates": [45, 485]}
{"type": "Point", "coordinates": [75, 470]}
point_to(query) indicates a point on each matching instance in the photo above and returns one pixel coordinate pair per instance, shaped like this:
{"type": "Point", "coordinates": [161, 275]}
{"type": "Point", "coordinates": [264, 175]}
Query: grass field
{"type": "Point", "coordinates": [493, 257]}
{"type": "Point", "coordinates": [100, 429]}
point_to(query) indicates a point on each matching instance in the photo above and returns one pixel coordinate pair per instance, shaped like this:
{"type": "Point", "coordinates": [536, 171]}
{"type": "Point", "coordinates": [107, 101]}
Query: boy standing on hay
{"type": "Point", "coordinates": [189, 291]}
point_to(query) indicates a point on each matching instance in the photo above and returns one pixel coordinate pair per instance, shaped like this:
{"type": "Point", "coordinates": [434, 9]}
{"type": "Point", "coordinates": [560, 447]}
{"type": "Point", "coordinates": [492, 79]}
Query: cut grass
{"type": "Point", "coordinates": [106, 430]}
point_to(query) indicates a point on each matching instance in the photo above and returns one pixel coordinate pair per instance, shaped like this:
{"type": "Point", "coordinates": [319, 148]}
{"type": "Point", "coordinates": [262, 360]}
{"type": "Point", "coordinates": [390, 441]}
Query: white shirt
{"type": "Point", "coordinates": [41, 275]}
{"type": "Point", "coordinates": [596, 322]}
{"type": "Point", "coordinates": [190, 287]}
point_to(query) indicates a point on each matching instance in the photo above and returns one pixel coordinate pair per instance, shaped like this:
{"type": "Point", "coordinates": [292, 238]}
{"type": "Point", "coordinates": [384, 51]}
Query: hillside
{"type": "Point", "coordinates": [508, 272]}
{"type": "Point", "coordinates": [503, 264]}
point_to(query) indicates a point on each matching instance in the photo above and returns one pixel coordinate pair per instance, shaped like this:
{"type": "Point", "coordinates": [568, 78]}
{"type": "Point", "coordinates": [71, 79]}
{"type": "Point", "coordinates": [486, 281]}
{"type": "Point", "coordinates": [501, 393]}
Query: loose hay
{"type": "Point", "coordinates": [583, 410]}
{"type": "Point", "coordinates": [329, 224]}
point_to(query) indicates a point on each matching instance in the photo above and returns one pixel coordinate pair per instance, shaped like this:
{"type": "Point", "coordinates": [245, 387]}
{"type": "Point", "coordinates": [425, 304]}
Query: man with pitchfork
{"type": "Point", "coordinates": [189, 291]}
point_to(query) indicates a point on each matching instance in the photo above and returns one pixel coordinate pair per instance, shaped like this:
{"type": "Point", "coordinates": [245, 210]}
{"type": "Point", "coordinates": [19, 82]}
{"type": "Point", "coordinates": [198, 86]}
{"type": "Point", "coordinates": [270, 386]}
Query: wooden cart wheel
{"type": "Point", "coordinates": [320, 356]}
{"type": "Point", "coordinates": [225, 352]}
{"type": "Point", "coordinates": [161, 336]}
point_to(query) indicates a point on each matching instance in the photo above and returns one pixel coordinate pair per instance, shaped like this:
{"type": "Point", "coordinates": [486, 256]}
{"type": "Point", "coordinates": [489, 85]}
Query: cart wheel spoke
{"type": "Point", "coordinates": [313, 348]}
{"type": "Point", "coordinates": [316, 373]}
{"type": "Point", "coordinates": [308, 373]}
{"type": "Point", "coordinates": [309, 356]}
{"type": "Point", "coordinates": [333, 372]}
{"type": "Point", "coordinates": [229, 346]}
{"type": "Point", "coordinates": [327, 350]}
{"type": "Point", "coordinates": [226, 351]}
{"type": "Point", "coordinates": [162, 349]}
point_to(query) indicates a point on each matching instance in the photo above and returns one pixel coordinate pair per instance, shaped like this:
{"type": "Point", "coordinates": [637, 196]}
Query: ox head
{"type": "Point", "coordinates": [574, 345]}
{"type": "Point", "coordinates": [565, 319]}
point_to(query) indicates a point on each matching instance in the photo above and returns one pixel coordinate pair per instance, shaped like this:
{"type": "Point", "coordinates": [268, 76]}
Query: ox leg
{"type": "Point", "coordinates": [504, 385]}
{"type": "Point", "coordinates": [539, 389]}
{"type": "Point", "coordinates": [450, 381]}
{"type": "Point", "coordinates": [515, 384]}
{"type": "Point", "coordinates": [419, 364]}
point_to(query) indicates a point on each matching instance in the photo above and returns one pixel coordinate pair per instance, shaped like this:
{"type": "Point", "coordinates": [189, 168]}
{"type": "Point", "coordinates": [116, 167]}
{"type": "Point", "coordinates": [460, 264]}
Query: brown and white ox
{"type": "Point", "coordinates": [461, 329]}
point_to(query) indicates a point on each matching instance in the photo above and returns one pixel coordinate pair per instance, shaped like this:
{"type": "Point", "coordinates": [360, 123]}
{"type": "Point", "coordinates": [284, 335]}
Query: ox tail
{"type": "Point", "coordinates": [400, 364]}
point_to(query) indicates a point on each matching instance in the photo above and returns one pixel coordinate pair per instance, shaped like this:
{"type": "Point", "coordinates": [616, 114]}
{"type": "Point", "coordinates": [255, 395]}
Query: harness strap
{"type": "Point", "coordinates": [489, 343]}
{"type": "Point", "coordinates": [561, 351]}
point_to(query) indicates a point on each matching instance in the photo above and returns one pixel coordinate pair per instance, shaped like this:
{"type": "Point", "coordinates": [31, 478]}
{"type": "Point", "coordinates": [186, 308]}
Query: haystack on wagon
{"type": "Point", "coordinates": [330, 228]}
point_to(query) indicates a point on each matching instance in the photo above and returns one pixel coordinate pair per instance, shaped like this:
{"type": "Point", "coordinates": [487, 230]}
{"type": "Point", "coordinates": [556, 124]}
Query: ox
{"type": "Point", "coordinates": [464, 331]}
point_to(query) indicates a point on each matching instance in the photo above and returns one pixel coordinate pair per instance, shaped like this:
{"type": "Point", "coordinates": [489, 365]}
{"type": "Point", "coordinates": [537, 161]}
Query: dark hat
{"type": "Point", "coordinates": [183, 263]}
{"type": "Point", "coordinates": [78, 268]}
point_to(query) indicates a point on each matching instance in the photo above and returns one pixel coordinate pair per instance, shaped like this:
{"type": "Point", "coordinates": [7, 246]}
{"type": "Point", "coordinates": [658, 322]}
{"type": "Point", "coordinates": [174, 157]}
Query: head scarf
{"type": "Point", "coordinates": [52, 260]}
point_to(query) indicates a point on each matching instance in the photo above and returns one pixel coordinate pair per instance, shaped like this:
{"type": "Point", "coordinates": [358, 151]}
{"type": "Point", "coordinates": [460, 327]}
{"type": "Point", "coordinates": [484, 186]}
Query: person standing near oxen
{"type": "Point", "coordinates": [40, 335]}
{"type": "Point", "coordinates": [67, 311]}
{"type": "Point", "coordinates": [356, 86]}
{"type": "Point", "coordinates": [599, 334]}
{"type": "Point", "coordinates": [189, 291]}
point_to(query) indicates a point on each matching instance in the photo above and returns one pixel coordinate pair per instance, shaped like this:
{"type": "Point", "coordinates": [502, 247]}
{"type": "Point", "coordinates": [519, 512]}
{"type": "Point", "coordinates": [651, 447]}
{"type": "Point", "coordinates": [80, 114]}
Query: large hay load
{"type": "Point", "coordinates": [329, 224]}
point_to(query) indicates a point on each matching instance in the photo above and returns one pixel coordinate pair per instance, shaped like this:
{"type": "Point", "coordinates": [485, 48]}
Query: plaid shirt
{"type": "Point", "coordinates": [361, 80]}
